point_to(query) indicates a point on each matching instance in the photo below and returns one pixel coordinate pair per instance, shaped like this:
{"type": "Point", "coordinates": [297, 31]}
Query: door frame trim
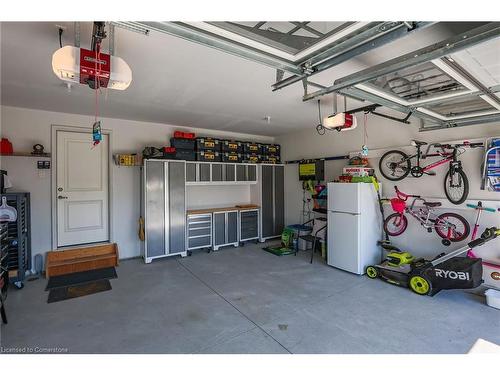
{"type": "Point", "coordinates": [53, 183]}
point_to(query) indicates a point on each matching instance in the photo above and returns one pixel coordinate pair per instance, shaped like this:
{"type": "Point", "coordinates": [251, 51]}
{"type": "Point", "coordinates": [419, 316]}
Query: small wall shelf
{"type": "Point", "coordinates": [28, 154]}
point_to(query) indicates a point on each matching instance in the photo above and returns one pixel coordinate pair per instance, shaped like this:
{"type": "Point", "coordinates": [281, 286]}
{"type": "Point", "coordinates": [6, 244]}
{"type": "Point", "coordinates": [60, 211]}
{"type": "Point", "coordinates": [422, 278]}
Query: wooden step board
{"type": "Point", "coordinates": [62, 262]}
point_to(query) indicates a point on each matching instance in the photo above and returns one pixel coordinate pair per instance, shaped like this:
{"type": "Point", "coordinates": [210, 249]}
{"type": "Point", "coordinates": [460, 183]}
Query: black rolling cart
{"type": "Point", "coordinates": [18, 241]}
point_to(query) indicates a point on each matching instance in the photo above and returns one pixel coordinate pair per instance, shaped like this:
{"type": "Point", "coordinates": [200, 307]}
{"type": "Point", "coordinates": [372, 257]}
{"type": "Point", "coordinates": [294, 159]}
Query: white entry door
{"type": "Point", "coordinates": [82, 189]}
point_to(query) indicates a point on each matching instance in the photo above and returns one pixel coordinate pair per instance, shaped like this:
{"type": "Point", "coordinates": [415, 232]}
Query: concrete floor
{"type": "Point", "coordinates": [245, 300]}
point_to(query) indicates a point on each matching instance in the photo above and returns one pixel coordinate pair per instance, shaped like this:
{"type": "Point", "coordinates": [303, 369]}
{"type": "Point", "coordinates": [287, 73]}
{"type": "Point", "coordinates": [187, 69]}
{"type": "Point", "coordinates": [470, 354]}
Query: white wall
{"type": "Point", "coordinates": [217, 196]}
{"type": "Point", "coordinates": [25, 127]}
{"type": "Point", "coordinates": [387, 134]}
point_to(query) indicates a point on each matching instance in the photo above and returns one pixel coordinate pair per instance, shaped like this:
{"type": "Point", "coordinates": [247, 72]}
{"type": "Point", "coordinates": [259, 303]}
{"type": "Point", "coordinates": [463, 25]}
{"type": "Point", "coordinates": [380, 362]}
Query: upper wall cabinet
{"type": "Point", "coordinates": [206, 173]}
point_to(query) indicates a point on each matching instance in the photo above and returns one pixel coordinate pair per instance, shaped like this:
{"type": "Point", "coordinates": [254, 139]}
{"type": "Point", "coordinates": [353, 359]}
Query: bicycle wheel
{"type": "Point", "coordinates": [395, 224]}
{"type": "Point", "coordinates": [456, 187]}
{"type": "Point", "coordinates": [394, 165]}
{"type": "Point", "coordinates": [452, 227]}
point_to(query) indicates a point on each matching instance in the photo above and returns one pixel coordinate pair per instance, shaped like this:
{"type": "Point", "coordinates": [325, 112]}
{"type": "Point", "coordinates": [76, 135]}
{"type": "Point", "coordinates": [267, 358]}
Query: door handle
{"type": "Point", "coordinates": [61, 197]}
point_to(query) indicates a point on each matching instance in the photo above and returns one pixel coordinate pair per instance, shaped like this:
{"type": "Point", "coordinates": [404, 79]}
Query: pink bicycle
{"type": "Point", "coordinates": [449, 226]}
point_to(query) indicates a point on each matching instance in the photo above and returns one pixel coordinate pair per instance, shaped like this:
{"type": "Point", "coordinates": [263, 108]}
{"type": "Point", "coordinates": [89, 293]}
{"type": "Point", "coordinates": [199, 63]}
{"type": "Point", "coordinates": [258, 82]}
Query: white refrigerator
{"type": "Point", "coordinates": [354, 226]}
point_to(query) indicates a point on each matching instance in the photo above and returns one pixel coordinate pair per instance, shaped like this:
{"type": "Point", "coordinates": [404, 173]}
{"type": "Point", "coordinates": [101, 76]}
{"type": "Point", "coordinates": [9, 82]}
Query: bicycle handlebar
{"type": "Point", "coordinates": [404, 196]}
{"type": "Point", "coordinates": [479, 206]}
{"type": "Point", "coordinates": [456, 145]}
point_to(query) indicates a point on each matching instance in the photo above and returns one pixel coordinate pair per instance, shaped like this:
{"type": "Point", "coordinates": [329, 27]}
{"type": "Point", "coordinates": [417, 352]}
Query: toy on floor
{"type": "Point", "coordinates": [286, 245]}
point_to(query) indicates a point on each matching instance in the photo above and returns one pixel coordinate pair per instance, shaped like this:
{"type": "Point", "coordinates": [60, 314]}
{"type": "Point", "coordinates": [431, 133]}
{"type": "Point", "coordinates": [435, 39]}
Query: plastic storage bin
{"type": "Point", "coordinates": [268, 149]}
{"type": "Point", "coordinates": [183, 143]}
{"type": "Point", "coordinates": [271, 159]}
{"type": "Point", "coordinates": [208, 156]}
{"type": "Point", "coordinates": [252, 158]}
{"type": "Point", "coordinates": [231, 157]}
{"type": "Point", "coordinates": [207, 144]}
{"type": "Point", "coordinates": [252, 148]}
{"type": "Point", "coordinates": [183, 154]}
{"type": "Point", "coordinates": [231, 146]}
{"type": "Point", "coordinates": [493, 298]}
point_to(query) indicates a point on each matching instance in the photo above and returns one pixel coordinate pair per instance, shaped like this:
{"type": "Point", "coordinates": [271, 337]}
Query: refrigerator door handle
{"type": "Point", "coordinates": [344, 212]}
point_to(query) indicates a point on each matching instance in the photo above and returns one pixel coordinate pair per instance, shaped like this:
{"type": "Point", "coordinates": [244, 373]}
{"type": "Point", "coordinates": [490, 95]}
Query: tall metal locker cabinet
{"type": "Point", "coordinates": [164, 210]}
{"type": "Point", "coordinates": [272, 200]}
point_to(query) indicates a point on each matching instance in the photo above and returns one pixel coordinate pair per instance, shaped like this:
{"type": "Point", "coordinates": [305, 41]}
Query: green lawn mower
{"type": "Point", "coordinates": [428, 277]}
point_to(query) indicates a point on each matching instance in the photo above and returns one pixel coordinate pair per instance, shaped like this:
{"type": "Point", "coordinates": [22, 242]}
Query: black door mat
{"type": "Point", "coordinates": [279, 251]}
{"type": "Point", "coordinates": [64, 293]}
{"type": "Point", "coordinates": [77, 278]}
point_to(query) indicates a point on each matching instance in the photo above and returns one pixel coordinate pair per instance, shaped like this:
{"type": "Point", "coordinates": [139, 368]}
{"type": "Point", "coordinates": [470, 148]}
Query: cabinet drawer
{"type": "Point", "coordinates": [249, 234]}
{"type": "Point", "coordinates": [199, 242]}
{"type": "Point", "coordinates": [199, 232]}
{"type": "Point", "coordinates": [251, 219]}
{"type": "Point", "coordinates": [200, 225]}
{"type": "Point", "coordinates": [199, 218]}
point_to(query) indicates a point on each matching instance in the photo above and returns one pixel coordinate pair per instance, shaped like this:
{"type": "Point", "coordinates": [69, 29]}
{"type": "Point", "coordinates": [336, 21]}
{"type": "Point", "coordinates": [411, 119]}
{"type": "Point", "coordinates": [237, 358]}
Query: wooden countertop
{"type": "Point", "coordinates": [222, 209]}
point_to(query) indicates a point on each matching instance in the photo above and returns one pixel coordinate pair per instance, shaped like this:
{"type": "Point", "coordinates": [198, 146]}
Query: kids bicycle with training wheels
{"type": "Point", "coordinates": [449, 226]}
{"type": "Point", "coordinates": [396, 165]}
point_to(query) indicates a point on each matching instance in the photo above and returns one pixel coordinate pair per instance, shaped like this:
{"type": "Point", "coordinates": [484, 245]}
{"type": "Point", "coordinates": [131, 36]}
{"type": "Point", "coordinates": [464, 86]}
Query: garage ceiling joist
{"type": "Point", "coordinates": [350, 47]}
{"type": "Point", "coordinates": [427, 82]}
{"type": "Point", "coordinates": [280, 50]}
{"type": "Point", "coordinates": [435, 51]}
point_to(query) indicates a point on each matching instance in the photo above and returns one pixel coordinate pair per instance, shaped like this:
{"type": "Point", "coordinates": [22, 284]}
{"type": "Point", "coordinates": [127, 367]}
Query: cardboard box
{"type": "Point", "coordinates": [357, 171]}
{"type": "Point", "coordinates": [491, 276]}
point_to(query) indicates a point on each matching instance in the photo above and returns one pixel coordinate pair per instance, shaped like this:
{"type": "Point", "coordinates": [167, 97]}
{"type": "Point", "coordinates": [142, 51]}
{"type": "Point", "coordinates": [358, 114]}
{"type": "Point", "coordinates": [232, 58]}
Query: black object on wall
{"type": "Point", "coordinates": [3, 173]}
{"type": "Point", "coordinates": [18, 241]}
{"type": "Point", "coordinates": [312, 170]}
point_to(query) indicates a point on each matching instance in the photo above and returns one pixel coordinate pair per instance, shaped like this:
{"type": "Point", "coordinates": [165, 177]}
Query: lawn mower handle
{"type": "Point", "coordinates": [488, 234]}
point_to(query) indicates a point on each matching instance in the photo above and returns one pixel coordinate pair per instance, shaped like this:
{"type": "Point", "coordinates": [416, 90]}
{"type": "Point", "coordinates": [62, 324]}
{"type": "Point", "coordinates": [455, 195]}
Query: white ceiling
{"type": "Point", "coordinates": [174, 81]}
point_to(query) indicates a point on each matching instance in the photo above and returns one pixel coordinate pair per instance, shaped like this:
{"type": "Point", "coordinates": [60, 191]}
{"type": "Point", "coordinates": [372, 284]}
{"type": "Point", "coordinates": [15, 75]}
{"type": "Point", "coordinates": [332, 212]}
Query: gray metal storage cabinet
{"type": "Point", "coordinates": [19, 238]}
{"type": "Point", "coordinates": [164, 209]}
{"type": "Point", "coordinates": [272, 200]}
{"type": "Point", "coordinates": [199, 231]}
{"type": "Point", "coordinates": [249, 224]}
{"type": "Point", "coordinates": [225, 229]}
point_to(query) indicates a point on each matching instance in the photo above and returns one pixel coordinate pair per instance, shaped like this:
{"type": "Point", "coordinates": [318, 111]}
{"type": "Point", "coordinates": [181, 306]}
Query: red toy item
{"type": "Point", "coordinates": [6, 147]}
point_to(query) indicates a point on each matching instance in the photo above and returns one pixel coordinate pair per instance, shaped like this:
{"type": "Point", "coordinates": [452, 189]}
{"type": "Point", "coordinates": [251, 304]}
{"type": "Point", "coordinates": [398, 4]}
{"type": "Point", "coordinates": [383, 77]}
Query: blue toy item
{"type": "Point", "coordinates": [96, 133]}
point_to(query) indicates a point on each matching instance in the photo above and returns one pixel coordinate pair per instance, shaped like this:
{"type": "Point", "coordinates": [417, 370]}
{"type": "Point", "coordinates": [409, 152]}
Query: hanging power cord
{"type": "Point", "coordinates": [61, 30]}
{"type": "Point", "coordinates": [320, 128]}
{"type": "Point", "coordinates": [97, 80]}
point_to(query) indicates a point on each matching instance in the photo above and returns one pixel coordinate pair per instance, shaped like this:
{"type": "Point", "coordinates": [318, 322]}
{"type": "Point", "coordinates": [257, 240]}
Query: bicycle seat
{"type": "Point", "coordinates": [432, 204]}
{"type": "Point", "coordinates": [414, 142]}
